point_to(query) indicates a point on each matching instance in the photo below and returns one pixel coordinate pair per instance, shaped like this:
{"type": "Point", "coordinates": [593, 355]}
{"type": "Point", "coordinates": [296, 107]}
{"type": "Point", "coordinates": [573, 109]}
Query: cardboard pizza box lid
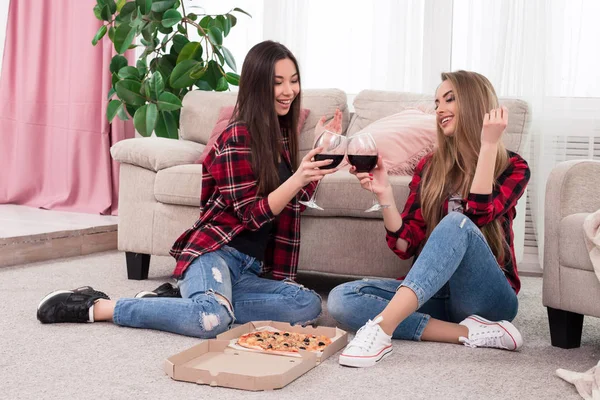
{"type": "Point", "coordinates": [214, 363]}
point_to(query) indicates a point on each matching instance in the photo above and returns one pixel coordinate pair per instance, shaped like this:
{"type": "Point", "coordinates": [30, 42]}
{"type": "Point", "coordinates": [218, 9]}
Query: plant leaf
{"type": "Point", "coordinates": [181, 29]}
{"type": "Point", "coordinates": [232, 19]}
{"type": "Point", "coordinates": [192, 16]}
{"type": "Point", "coordinates": [123, 37]}
{"type": "Point", "coordinates": [120, 4]}
{"type": "Point", "coordinates": [162, 5]}
{"type": "Point", "coordinates": [226, 22]}
{"type": "Point", "coordinates": [142, 67]}
{"type": "Point", "coordinates": [180, 77]}
{"type": "Point", "coordinates": [229, 58]}
{"type": "Point", "coordinates": [111, 110]}
{"type": "Point", "coordinates": [129, 91]}
{"type": "Point", "coordinates": [139, 121]}
{"type": "Point", "coordinates": [151, 116]}
{"type": "Point", "coordinates": [99, 35]}
{"type": "Point", "coordinates": [157, 85]}
{"type": "Point", "coordinates": [242, 11]}
{"type": "Point", "coordinates": [204, 22]}
{"type": "Point", "coordinates": [127, 12]}
{"type": "Point", "coordinates": [117, 63]}
{"type": "Point", "coordinates": [129, 73]}
{"type": "Point", "coordinates": [203, 85]}
{"type": "Point", "coordinates": [165, 66]}
{"type": "Point", "coordinates": [144, 5]}
{"type": "Point", "coordinates": [168, 102]}
{"type": "Point", "coordinates": [122, 113]}
{"type": "Point", "coordinates": [111, 33]}
{"type": "Point", "coordinates": [233, 79]}
{"type": "Point", "coordinates": [215, 35]}
{"type": "Point", "coordinates": [192, 50]}
{"type": "Point", "coordinates": [98, 12]}
{"type": "Point", "coordinates": [179, 41]}
{"type": "Point", "coordinates": [166, 126]}
{"type": "Point", "coordinates": [171, 18]}
{"type": "Point", "coordinates": [222, 84]}
{"type": "Point", "coordinates": [111, 93]}
{"type": "Point", "coordinates": [198, 72]}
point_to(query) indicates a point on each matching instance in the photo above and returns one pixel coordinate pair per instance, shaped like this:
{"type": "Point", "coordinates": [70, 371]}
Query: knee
{"type": "Point", "coordinates": [306, 304]}
{"type": "Point", "coordinates": [337, 304]}
{"type": "Point", "coordinates": [213, 317]}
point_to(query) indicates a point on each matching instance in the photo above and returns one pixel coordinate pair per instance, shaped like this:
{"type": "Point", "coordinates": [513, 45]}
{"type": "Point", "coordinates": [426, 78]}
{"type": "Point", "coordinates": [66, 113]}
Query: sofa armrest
{"type": "Point", "coordinates": [572, 187]}
{"type": "Point", "coordinates": [156, 153]}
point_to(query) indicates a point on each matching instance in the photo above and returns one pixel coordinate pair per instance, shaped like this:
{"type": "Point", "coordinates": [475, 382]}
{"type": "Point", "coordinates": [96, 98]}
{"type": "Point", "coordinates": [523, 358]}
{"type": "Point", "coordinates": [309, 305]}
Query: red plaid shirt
{"type": "Point", "coordinates": [480, 208]}
{"type": "Point", "coordinates": [229, 203]}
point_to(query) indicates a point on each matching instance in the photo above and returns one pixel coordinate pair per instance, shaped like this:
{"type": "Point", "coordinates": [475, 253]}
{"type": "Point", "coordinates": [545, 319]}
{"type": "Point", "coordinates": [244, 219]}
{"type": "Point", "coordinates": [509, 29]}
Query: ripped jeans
{"type": "Point", "coordinates": [210, 286]}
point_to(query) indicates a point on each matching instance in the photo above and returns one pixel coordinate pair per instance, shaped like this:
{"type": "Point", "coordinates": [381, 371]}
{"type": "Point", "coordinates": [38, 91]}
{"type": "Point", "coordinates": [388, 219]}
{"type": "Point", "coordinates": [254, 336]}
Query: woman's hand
{"type": "Point", "coordinates": [494, 124]}
{"type": "Point", "coordinates": [378, 178]}
{"type": "Point", "coordinates": [335, 125]}
{"type": "Point", "coordinates": [308, 171]}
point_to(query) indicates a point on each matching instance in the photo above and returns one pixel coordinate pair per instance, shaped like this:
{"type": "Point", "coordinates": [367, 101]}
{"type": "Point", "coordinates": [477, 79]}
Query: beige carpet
{"type": "Point", "coordinates": [104, 361]}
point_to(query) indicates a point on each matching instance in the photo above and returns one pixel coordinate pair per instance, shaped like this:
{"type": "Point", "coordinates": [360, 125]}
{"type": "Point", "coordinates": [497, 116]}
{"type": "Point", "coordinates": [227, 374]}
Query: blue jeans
{"type": "Point", "coordinates": [217, 289]}
{"type": "Point", "coordinates": [456, 275]}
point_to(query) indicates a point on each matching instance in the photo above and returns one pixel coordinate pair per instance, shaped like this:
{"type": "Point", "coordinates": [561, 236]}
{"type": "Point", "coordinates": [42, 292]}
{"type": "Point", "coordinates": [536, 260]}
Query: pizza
{"type": "Point", "coordinates": [289, 342]}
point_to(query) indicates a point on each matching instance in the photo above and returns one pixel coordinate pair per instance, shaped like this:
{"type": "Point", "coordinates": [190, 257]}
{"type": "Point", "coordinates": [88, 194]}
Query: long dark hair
{"type": "Point", "coordinates": [255, 107]}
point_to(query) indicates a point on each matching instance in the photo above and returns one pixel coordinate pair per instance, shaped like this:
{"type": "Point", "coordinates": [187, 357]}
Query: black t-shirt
{"type": "Point", "coordinates": [254, 243]}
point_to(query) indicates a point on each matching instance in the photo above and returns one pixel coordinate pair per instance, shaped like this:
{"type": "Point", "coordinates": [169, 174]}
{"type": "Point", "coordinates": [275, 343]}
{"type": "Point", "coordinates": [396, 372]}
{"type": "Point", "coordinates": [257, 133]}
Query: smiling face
{"type": "Point", "coordinates": [286, 85]}
{"type": "Point", "coordinates": [446, 108]}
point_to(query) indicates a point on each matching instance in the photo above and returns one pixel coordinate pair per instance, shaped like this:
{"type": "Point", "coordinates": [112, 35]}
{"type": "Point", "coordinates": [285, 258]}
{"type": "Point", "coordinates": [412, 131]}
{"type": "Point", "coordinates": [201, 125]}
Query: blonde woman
{"type": "Point", "coordinates": [457, 221]}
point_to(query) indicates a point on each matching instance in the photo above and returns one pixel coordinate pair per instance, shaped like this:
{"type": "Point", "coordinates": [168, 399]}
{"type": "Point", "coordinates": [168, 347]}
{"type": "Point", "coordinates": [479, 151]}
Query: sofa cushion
{"type": "Point", "coordinates": [180, 185]}
{"type": "Point", "coordinates": [201, 110]}
{"type": "Point", "coordinates": [341, 195]}
{"type": "Point", "coordinates": [572, 250]}
{"type": "Point", "coordinates": [371, 105]}
{"type": "Point", "coordinates": [156, 153]}
{"type": "Point", "coordinates": [403, 139]}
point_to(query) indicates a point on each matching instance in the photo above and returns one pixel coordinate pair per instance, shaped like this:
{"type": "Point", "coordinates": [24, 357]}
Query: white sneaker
{"type": "Point", "coordinates": [484, 333]}
{"type": "Point", "coordinates": [369, 346]}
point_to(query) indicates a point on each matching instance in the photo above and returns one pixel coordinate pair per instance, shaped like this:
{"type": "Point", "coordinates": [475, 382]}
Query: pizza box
{"type": "Point", "coordinates": [213, 362]}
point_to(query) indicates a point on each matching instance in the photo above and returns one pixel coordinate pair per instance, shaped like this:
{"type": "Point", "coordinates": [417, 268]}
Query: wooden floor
{"type": "Point", "coordinates": [29, 234]}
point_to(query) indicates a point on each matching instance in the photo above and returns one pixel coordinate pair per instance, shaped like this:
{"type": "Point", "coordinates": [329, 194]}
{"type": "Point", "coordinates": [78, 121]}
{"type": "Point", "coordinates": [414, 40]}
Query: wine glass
{"type": "Point", "coordinates": [334, 148]}
{"type": "Point", "coordinates": [363, 155]}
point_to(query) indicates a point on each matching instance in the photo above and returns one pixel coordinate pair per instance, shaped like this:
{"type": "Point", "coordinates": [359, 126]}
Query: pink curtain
{"type": "Point", "coordinates": [54, 136]}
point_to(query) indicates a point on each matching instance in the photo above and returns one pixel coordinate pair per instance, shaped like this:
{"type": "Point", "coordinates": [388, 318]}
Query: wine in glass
{"type": "Point", "coordinates": [363, 155]}
{"type": "Point", "coordinates": [334, 148]}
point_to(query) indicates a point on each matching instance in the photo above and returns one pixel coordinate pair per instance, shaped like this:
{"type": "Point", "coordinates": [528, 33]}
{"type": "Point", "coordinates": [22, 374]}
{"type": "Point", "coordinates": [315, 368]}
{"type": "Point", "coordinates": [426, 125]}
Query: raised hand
{"type": "Point", "coordinates": [335, 125]}
{"type": "Point", "coordinates": [378, 178]}
{"type": "Point", "coordinates": [494, 124]}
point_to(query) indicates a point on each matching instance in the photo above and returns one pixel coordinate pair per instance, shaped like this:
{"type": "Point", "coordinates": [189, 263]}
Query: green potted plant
{"type": "Point", "coordinates": [171, 64]}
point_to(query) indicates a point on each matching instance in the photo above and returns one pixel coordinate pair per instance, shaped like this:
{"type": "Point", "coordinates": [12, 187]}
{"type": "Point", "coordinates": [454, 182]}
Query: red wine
{"type": "Point", "coordinates": [337, 159]}
{"type": "Point", "coordinates": [363, 163]}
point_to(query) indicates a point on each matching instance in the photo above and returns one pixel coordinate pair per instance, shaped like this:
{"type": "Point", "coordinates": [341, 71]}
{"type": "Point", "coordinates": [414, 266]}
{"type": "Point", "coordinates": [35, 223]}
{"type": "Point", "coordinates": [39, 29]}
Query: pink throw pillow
{"type": "Point", "coordinates": [403, 139]}
{"type": "Point", "coordinates": [223, 120]}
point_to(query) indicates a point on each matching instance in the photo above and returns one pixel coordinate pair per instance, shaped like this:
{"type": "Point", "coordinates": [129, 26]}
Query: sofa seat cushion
{"type": "Point", "coordinates": [179, 185]}
{"type": "Point", "coordinates": [341, 195]}
{"type": "Point", "coordinates": [572, 250]}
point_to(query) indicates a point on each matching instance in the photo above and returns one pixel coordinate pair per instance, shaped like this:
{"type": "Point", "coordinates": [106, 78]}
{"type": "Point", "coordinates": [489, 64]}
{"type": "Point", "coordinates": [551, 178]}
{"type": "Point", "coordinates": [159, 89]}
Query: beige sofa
{"type": "Point", "coordinates": [160, 185]}
{"type": "Point", "coordinates": [571, 289]}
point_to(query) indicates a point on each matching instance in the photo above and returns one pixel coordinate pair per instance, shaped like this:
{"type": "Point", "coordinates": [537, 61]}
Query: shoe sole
{"type": "Point", "coordinates": [141, 295]}
{"type": "Point", "coordinates": [364, 361]}
{"type": "Point", "coordinates": [507, 326]}
{"type": "Point", "coordinates": [52, 295]}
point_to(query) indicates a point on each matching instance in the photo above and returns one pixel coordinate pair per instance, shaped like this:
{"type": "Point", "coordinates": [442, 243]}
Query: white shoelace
{"type": "Point", "coordinates": [365, 337]}
{"type": "Point", "coordinates": [488, 338]}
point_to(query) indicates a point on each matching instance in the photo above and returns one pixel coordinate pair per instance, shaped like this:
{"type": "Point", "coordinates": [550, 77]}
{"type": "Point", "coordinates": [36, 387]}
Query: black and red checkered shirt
{"type": "Point", "coordinates": [229, 204]}
{"type": "Point", "coordinates": [480, 208]}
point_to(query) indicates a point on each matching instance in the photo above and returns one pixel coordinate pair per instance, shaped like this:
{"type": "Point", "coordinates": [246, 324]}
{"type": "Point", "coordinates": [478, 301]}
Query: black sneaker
{"type": "Point", "coordinates": [68, 305]}
{"type": "Point", "coordinates": [165, 290]}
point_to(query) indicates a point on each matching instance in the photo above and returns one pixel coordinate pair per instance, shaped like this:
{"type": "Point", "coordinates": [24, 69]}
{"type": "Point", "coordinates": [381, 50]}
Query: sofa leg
{"type": "Point", "coordinates": [138, 265]}
{"type": "Point", "coordinates": [565, 328]}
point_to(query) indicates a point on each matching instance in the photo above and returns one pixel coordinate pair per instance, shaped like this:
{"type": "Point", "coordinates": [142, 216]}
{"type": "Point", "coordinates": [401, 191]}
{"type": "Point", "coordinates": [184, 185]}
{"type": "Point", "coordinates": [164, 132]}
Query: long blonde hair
{"type": "Point", "coordinates": [452, 167]}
